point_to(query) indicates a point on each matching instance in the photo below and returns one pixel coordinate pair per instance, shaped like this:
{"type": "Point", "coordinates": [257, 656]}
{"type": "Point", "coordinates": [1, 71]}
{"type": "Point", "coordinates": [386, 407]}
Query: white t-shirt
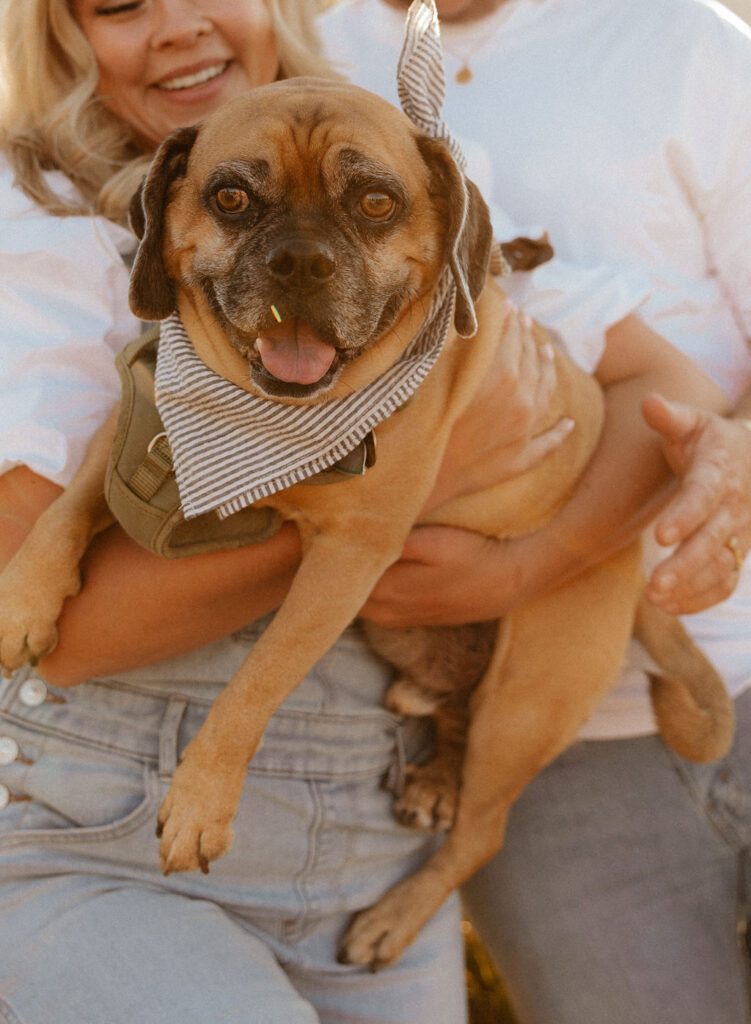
{"type": "Point", "coordinates": [63, 317]}
{"type": "Point", "coordinates": [624, 130]}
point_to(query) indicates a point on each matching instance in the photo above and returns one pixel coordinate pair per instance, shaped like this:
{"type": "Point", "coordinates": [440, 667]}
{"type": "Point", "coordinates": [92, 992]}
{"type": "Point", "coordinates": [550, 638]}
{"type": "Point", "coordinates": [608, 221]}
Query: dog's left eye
{"type": "Point", "coordinates": [377, 205]}
{"type": "Point", "coordinates": [232, 200]}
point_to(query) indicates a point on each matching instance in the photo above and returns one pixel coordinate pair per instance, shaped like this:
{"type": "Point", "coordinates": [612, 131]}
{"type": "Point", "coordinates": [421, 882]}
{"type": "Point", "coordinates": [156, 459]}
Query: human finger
{"type": "Point", "coordinates": [509, 347]}
{"type": "Point", "coordinates": [673, 420]}
{"type": "Point", "coordinates": [712, 456]}
{"type": "Point", "coordinates": [703, 570]}
{"type": "Point", "coordinates": [538, 448]}
{"type": "Point", "coordinates": [529, 377]}
{"type": "Point", "coordinates": [524, 378]}
{"type": "Point", "coordinates": [707, 590]}
{"type": "Point", "coordinates": [694, 503]}
{"type": "Point", "coordinates": [537, 369]}
{"type": "Point", "coordinates": [715, 493]}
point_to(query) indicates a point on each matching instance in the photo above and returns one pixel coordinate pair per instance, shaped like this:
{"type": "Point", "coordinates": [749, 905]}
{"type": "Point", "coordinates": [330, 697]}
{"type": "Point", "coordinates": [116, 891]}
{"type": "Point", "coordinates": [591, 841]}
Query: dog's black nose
{"type": "Point", "coordinates": [304, 262]}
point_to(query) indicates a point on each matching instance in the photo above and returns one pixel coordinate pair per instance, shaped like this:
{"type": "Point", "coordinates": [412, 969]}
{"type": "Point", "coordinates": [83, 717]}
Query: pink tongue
{"type": "Point", "coordinates": [294, 353]}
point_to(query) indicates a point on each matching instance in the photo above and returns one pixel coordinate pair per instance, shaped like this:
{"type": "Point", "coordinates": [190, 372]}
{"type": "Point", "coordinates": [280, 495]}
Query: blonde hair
{"type": "Point", "coordinates": [52, 119]}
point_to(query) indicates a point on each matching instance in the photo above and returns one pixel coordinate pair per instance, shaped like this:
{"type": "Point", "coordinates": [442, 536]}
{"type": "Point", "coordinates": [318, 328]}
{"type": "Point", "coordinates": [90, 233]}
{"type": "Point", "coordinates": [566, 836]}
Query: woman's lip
{"type": "Point", "coordinates": [193, 77]}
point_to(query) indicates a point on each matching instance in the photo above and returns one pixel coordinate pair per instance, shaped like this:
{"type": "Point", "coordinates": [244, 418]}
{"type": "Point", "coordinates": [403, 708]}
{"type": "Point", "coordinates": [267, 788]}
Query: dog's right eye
{"type": "Point", "coordinates": [232, 200]}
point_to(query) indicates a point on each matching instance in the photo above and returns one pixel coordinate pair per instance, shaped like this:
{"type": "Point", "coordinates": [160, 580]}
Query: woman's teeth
{"type": "Point", "coordinates": [191, 81]}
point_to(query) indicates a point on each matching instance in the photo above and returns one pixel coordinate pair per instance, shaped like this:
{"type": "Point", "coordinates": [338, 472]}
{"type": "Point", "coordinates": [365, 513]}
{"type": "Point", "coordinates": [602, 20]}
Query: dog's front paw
{"type": "Point", "coordinates": [430, 796]}
{"type": "Point", "coordinates": [29, 610]}
{"type": "Point", "coordinates": [194, 822]}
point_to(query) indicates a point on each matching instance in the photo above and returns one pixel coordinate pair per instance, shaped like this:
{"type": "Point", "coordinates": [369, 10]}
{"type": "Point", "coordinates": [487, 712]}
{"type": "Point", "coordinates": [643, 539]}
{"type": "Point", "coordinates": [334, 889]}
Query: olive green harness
{"type": "Point", "coordinates": [140, 486]}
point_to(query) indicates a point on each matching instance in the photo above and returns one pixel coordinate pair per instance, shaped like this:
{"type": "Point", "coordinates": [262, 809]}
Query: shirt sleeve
{"type": "Point", "coordinates": [63, 317]}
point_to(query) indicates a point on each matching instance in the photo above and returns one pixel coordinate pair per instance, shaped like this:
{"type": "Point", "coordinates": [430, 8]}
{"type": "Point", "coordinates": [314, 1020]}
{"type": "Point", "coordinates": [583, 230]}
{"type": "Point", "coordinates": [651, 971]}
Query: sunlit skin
{"type": "Point", "coordinates": [168, 63]}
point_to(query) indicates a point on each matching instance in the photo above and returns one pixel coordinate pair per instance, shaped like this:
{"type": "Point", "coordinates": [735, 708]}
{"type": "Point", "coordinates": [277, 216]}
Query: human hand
{"type": "Point", "coordinates": [712, 458]}
{"type": "Point", "coordinates": [446, 576]}
{"type": "Point", "coordinates": [500, 435]}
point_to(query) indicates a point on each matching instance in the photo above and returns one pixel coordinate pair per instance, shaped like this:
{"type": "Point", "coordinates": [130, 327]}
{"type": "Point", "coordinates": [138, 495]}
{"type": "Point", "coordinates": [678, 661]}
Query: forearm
{"type": "Point", "coordinates": [136, 608]}
{"type": "Point", "coordinates": [624, 486]}
{"type": "Point", "coordinates": [628, 479]}
{"type": "Point", "coordinates": [448, 576]}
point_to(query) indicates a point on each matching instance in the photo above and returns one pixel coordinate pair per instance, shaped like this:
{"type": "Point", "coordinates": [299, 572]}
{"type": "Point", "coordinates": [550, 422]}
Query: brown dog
{"type": "Point", "coordinates": [325, 202]}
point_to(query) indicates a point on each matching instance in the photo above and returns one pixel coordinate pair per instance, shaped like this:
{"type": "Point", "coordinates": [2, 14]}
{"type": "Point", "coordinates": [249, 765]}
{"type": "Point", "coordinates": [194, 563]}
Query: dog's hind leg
{"type": "Point", "coordinates": [557, 657]}
{"type": "Point", "coordinates": [437, 670]}
{"type": "Point", "coordinates": [430, 793]}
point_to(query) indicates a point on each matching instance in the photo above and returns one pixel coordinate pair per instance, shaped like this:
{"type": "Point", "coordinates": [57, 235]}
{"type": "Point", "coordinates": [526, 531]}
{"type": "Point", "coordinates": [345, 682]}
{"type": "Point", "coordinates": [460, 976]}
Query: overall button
{"type": "Point", "coordinates": [6, 797]}
{"type": "Point", "coordinates": [8, 750]}
{"type": "Point", "coordinates": [33, 692]}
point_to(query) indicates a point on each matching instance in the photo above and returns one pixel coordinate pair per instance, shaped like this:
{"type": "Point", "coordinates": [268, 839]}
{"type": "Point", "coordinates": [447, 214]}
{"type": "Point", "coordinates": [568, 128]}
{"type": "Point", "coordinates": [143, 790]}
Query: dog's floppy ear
{"type": "Point", "coordinates": [152, 294]}
{"type": "Point", "coordinates": [469, 233]}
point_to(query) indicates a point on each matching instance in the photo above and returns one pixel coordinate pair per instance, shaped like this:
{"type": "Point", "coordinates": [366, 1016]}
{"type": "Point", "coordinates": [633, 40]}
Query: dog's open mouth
{"type": "Point", "coordinates": [293, 352]}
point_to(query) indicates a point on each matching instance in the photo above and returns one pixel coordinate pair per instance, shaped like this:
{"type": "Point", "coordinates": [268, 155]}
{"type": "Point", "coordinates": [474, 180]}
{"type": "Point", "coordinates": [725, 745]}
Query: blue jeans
{"type": "Point", "coordinates": [622, 893]}
{"type": "Point", "coordinates": [90, 931]}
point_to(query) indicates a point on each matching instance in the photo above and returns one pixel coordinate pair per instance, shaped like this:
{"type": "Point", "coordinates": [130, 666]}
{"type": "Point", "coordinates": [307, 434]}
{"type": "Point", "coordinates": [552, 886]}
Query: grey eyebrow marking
{"type": "Point", "coordinates": [358, 169]}
{"type": "Point", "coordinates": [251, 174]}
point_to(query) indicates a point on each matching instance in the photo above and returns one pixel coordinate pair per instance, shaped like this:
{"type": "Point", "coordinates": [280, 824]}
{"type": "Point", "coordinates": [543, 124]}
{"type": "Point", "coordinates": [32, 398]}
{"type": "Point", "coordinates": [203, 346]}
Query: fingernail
{"type": "Point", "coordinates": [567, 425]}
{"type": "Point", "coordinates": [527, 320]}
{"type": "Point", "coordinates": [548, 351]}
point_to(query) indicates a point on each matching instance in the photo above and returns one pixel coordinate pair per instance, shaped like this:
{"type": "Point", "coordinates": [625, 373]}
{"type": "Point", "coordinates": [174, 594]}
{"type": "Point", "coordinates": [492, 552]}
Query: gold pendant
{"type": "Point", "coordinates": [463, 75]}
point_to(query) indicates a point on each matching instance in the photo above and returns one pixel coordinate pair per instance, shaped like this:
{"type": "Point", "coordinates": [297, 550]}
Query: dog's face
{"type": "Point", "coordinates": [307, 217]}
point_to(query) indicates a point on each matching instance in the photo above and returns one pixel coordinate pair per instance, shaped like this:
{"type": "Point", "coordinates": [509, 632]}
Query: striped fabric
{"type": "Point", "coordinates": [230, 447]}
{"type": "Point", "coordinates": [420, 79]}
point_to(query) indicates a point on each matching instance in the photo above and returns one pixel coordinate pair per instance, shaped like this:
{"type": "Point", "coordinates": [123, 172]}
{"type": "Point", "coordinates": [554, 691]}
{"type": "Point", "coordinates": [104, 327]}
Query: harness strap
{"type": "Point", "coordinates": [154, 470]}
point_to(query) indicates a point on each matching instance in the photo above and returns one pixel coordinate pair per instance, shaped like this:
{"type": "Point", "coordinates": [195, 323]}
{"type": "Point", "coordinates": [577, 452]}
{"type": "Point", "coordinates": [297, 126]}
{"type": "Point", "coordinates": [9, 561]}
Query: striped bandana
{"type": "Point", "coordinates": [231, 448]}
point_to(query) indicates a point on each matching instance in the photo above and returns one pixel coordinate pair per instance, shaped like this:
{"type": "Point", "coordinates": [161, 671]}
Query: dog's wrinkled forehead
{"type": "Point", "coordinates": [296, 134]}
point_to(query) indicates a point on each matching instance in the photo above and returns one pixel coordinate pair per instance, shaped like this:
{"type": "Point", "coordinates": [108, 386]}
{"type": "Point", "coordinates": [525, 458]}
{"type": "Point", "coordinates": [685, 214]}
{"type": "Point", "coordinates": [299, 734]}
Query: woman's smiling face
{"type": "Point", "coordinates": [168, 63]}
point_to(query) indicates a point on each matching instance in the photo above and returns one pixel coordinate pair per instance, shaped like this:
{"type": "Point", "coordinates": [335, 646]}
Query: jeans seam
{"type": "Point", "coordinates": [90, 833]}
{"type": "Point", "coordinates": [296, 928]}
{"type": "Point", "coordinates": [73, 737]}
{"type": "Point", "coordinates": [725, 830]}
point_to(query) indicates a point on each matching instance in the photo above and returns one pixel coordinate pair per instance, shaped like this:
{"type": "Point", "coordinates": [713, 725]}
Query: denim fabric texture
{"type": "Point", "coordinates": [622, 893]}
{"type": "Point", "coordinates": [92, 933]}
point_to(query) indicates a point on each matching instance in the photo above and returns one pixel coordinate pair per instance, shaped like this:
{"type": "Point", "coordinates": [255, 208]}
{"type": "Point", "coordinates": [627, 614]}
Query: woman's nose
{"type": "Point", "coordinates": [179, 22]}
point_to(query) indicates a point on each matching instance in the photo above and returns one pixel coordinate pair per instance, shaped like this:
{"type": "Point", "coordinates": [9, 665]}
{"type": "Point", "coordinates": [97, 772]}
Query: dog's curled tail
{"type": "Point", "coordinates": [694, 712]}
